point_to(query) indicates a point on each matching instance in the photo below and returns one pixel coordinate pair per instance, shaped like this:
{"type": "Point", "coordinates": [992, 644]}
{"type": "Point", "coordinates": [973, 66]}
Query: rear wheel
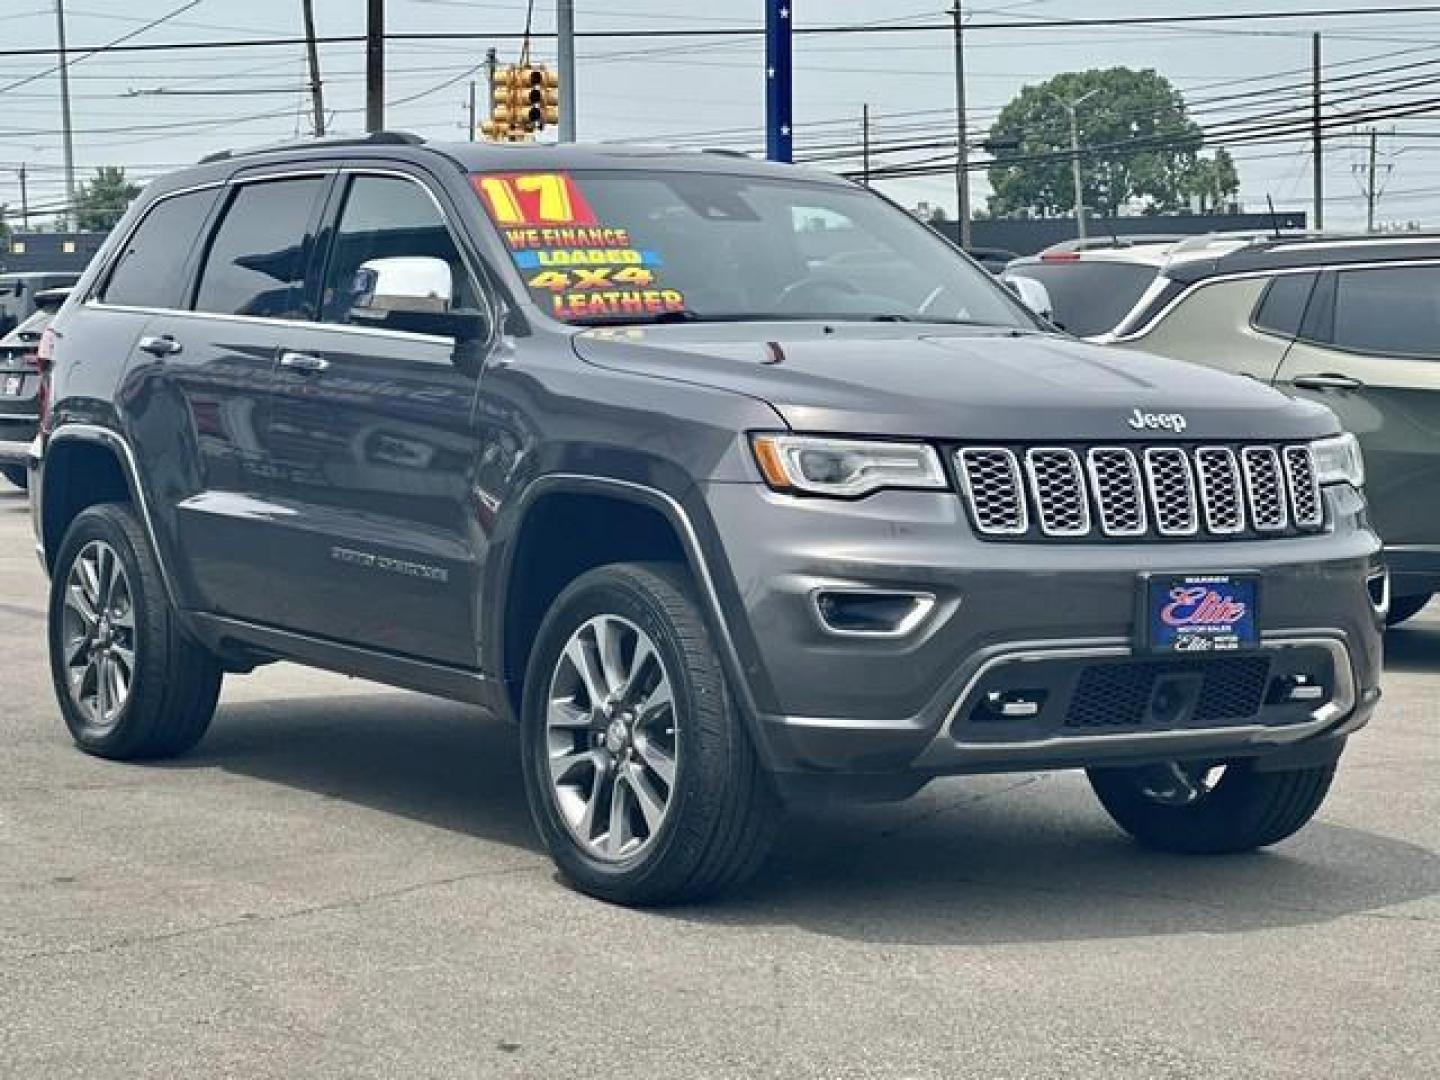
{"type": "Point", "coordinates": [1406, 607]}
{"type": "Point", "coordinates": [1211, 809]}
{"type": "Point", "coordinates": [640, 774]}
{"type": "Point", "coordinates": [130, 683]}
{"type": "Point", "coordinates": [17, 475]}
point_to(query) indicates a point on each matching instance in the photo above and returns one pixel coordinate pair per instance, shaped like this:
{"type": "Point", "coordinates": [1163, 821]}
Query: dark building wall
{"type": "Point", "coordinates": [1026, 237]}
{"type": "Point", "coordinates": [49, 252]}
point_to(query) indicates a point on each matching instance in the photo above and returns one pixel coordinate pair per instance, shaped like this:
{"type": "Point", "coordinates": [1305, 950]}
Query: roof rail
{"type": "Point", "coordinates": [378, 138]}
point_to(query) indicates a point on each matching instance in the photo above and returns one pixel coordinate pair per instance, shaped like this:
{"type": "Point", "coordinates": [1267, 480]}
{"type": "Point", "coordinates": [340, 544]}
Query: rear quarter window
{"type": "Point", "coordinates": [1091, 297]}
{"type": "Point", "coordinates": [1281, 309]}
{"type": "Point", "coordinates": [150, 270]}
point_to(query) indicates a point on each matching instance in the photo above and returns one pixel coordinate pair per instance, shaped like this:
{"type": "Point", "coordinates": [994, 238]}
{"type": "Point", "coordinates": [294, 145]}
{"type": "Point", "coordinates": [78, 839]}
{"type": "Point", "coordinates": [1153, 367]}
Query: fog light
{"type": "Point", "coordinates": [1295, 688]}
{"type": "Point", "coordinates": [1011, 705]}
{"type": "Point", "coordinates": [871, 613]}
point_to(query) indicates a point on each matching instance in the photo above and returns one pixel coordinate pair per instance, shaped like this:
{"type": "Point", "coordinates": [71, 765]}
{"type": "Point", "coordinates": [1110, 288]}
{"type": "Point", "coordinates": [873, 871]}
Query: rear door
{"type": "Point", "coordinates": [215, 376]}
{"type": "Point", "coordinates": [374, 436]}
{"type": "Point", "coordinates": [1370, 350]}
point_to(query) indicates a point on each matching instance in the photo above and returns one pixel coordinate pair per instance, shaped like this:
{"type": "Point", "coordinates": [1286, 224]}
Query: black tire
{"type": "Point", "coordinates": [722, 810]}
{"type": "Point", "coordinates": [175, 682]}
{"type": "Point", "coordinates": [1406, 607]}
{"type": "Point", "coordinates": [1245, 810]}
{"type": "Point", "coordinates": [17, 475]}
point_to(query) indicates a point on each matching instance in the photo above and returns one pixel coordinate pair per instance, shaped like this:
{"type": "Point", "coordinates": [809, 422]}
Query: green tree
{"type": "Point", "coordinates": [100, 203]}
{"type": "Point", "coordinates": [1138, 145]}
{"type": "Point", "coordinates": [1214, 182]}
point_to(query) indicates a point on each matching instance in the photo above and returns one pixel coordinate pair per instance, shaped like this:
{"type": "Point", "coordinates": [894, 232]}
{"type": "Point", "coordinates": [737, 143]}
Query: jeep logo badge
{"type": "Point", "coordinates": [1149, 421]}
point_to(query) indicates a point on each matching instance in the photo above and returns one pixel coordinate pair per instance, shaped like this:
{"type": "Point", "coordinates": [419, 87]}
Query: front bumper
{"type": "Point", "coordinates": [869, 704]}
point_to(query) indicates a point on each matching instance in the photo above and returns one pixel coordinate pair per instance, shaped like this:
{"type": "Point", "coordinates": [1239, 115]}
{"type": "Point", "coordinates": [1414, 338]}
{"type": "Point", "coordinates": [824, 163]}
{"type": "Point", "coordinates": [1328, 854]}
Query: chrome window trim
{"type": "Point", "coordinates": [1078, 475]}
{"type": "Point", "coordinates": [487, 291]}
{"type": "Point", "coordinates": [1342, 703]}
{"type": "Point", "coordinates": [1016, 476]}
{"type": "Point", "coordinates": [1205, 501]}
{"type": "Point", "coordinates": [1320, 267]}
{"type": "Point", "coordinates": [1138, 480]}
{"type": "Point", "coordinates": [1151, 452]}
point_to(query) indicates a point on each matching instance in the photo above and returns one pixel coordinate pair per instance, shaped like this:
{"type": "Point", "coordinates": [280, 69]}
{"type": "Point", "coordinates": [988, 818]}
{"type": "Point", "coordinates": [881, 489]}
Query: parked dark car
{"type": "Point", "coordinates": [610, 441]}
{"type": "Point", "coordinates": [20, 386]}
{"type": "Point", "coordinates": [1351, 322]}
{"type": "Point", "coordinates": [18, 294]}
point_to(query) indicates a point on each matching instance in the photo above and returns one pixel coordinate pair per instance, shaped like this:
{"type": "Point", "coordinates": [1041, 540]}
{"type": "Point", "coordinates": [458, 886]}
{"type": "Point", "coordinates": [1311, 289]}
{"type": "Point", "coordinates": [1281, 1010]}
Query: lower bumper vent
{"type": "Point", "coordinates": [1133, 692]}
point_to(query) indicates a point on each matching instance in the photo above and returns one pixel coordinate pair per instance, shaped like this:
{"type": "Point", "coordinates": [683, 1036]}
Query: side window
{"type": "Point", "coordinates": [258, 255]}
{"type": "Point", "coordinates": [150, 270]}
{"type": "Point", "coordinates": [1282, 308]}
{"type": "Point", "coordinates": [1393, 311]}
{"type": "Point", "coordinates": [392, 254]}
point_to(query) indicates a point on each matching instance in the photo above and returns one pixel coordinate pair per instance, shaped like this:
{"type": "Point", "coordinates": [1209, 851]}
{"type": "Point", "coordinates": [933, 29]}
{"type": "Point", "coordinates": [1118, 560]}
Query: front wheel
{"type": "Point", "coordinates": [1211, 809]}
{"type": "Point", "coordinates": [17, 475]}
{"type": "Point", "coordinates": [639, 771]}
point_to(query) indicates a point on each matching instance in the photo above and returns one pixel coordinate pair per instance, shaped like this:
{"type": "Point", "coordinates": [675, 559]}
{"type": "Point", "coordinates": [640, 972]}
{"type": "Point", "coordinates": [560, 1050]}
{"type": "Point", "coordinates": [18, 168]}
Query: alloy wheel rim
{"type": "Point", "coordinates": [611, 738]}
{"type": "Point", "coordinates": [98, 635]}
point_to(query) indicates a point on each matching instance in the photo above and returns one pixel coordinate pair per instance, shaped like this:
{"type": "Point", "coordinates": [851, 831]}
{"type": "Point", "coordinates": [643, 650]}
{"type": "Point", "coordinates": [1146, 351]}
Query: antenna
{"type": "Point", "coordinates": [1274, 218]}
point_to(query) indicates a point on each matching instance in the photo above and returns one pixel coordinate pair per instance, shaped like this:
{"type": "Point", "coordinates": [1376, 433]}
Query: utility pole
{"type": "Point", "coordinates": [24, 200]}
{"type": "Point", "coordinates": [375, 66]}
{"type": "Point", "coordinates": [472, 110]}
{"type": "Point", "coordinates": [865, 144]}
{"type": "Point", "coordinates": [67, 135]}
{"type": "Point", "coordinates": [312, 53]}
{"type": "Point", "coordinates": [1319, 147]}
{"type": "Point", "coordinates": [1076, 174]}
{"type": "Point", "coordinates": [1371, 184]}
{"type": "Point", "coordinates": [565, 32]}
{"type": "Point", "coordinates": [962, 146]}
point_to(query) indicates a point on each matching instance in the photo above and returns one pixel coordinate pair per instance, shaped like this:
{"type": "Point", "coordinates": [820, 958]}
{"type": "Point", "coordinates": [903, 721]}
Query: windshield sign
{"type": "Point", "coordinates": [615, 246]}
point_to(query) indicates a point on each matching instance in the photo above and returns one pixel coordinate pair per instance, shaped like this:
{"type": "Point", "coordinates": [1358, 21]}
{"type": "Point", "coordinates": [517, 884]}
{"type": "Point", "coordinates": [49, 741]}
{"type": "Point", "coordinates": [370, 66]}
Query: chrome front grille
{"type": "Point", "coordinates": [1135, 492]}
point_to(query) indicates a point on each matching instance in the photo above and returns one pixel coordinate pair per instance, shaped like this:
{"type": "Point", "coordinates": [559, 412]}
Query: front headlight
{"type": "Point", "coordinates": [845, 468]}
{"type": "Point", "coordinates": [1338, 461]}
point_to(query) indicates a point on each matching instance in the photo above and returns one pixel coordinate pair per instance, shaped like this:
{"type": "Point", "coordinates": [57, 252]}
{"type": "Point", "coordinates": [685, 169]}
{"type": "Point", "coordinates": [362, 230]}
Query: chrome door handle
{"type": "Point", "coordinates": [306, 362]}
{"type": "Point", "coordinates": [164, 345]}
{"type": "Point", "coordinates": [1327, 381]}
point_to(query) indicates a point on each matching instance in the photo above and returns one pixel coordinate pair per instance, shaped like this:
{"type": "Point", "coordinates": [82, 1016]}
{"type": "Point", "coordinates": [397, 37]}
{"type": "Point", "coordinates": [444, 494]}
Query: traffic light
{"type": "Point", "coordinates": [542, 97]}
{"type": "Point", "coordinates": [526, 100]}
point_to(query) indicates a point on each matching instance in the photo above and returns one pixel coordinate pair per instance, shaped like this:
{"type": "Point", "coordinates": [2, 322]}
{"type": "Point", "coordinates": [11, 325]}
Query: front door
{"type": "Point", "coordinates": [1370, 350]}
{"type": "Point", "coordinates": [373, 436]}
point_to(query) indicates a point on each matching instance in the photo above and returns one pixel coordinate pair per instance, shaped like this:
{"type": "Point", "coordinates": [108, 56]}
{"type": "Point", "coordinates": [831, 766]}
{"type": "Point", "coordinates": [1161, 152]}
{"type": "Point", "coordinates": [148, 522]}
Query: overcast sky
{"type": "Point", "coordinates": [711, 91]}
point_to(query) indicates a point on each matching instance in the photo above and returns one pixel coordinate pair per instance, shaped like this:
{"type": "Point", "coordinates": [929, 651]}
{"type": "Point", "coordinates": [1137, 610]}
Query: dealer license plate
{"type": "Point", "coordinates": [1184, 613]}
{"type": "Point", "coordinates": [12, 385]}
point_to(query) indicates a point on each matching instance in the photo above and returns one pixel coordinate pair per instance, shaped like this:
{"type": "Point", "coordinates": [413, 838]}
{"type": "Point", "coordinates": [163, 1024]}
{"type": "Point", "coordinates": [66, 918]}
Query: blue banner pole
{"type": "Point", "coordinates": [778, 80]}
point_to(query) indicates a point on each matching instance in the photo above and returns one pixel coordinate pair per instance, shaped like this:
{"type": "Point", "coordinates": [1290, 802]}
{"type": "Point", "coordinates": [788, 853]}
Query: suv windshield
{"type": "Point", "coordinates": [616, 246]}
{"type": "Point", "coordinates": [1087, 297]}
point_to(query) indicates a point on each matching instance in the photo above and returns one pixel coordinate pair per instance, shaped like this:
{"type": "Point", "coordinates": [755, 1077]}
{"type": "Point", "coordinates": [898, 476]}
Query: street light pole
{"type": "Point", "coordinates": [1073, 109]}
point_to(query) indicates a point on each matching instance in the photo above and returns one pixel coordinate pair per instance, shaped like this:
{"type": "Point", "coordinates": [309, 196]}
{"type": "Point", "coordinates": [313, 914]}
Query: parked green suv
{"type": "Point", "coordinates": [1350, 322]}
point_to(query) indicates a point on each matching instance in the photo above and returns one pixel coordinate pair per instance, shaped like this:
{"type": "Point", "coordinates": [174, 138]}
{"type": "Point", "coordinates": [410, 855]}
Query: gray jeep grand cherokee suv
{"type": "Point", "coordinates": [729, 482]}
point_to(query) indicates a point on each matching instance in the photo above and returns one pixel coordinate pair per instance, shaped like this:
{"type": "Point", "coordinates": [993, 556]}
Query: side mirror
{"type": "Point", "coordinates": [1033, 294]}
{"type": "Point", "coordinates": [415, 293]}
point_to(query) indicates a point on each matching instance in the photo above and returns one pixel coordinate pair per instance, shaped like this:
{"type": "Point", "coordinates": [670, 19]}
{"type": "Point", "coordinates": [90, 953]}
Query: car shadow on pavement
{"type": "Point", "coordinates": [428, 760]}
{"type": "Point", "coordinates": [1414, 646]}
{"type": "Point", "coordinates": [982, 860]}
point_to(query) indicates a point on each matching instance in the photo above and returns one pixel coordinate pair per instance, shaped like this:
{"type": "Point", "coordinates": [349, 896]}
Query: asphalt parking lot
{"type": "Point", "coordinates": [342, 881]}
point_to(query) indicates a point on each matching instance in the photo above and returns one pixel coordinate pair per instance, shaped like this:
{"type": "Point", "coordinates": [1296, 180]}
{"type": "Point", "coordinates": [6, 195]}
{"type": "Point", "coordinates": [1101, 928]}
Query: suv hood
{"type": "Point", "coordinates": [963, 383]}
